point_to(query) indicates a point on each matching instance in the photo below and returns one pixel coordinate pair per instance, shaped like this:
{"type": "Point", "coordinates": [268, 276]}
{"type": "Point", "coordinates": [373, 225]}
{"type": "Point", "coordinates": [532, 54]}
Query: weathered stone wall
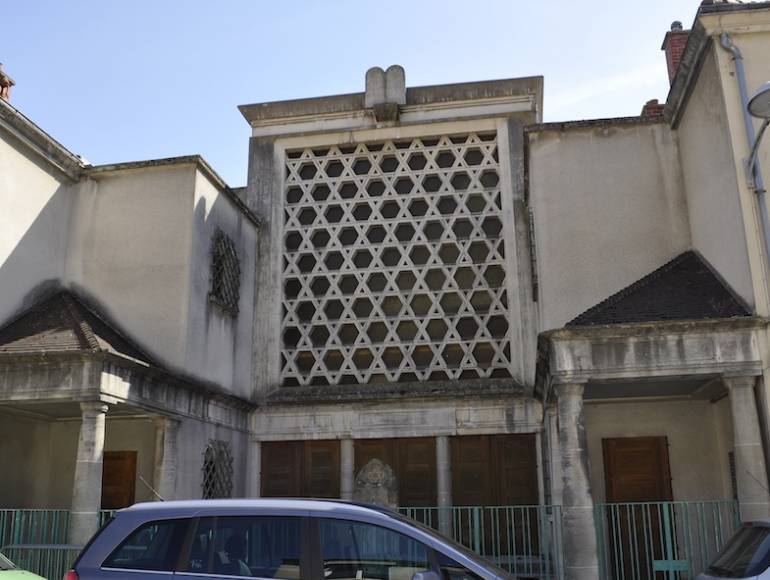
{"type": "Point", "coordinates": [608, 208]}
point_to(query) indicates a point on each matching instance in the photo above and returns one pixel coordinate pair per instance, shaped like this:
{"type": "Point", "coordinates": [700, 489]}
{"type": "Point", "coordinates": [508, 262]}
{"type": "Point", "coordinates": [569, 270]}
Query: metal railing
{"type": "Point", "coordinates": [662, 540]}
{"type": "Point", "coordinates": [32, 526]}
{"type": "Point", "coordinates": [35, 539]}
{"type": "Point", "coordinates": [525, 540]}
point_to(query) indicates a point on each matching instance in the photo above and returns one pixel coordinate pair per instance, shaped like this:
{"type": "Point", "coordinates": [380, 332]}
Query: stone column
{"type": "Point", "coordinates": [750, 471]}
{"type": "Point", "coordinates": [444, 484]}
{"type": "Point", "coordinates": [166, 457]}
{"type": "Point", "coordinates": [87, 488]}
{"type": "Point", "coordinates": [254, 462]}
{"type": "Point", "coordinates": [580, 554]}
{"type": "Point", "coordinates": [347, 469]}
{"type": "Point", "coordinates": [551, 428]}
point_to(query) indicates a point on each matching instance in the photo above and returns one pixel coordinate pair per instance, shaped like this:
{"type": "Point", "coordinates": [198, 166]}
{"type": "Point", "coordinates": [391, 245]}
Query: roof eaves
{"type": "Point", "coordinates": [196, 160]}
{"type": "Point", "coordinates": [561, 126]}
{"type": "Point", "coordinates": [31, 135]}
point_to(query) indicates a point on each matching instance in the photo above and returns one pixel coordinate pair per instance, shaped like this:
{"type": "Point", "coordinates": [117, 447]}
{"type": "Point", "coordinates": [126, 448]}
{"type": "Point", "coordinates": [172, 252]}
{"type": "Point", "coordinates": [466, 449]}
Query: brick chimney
{"type": "Point", "coordinates": [673, 44]}
{"type": "Point", "coordinates": [6, 83]}
{"type": "Point", "coordinates": [652, 109]}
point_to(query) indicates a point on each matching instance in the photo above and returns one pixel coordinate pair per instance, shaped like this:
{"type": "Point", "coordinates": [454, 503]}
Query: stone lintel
{"type": "Point", "coordinates": [109, 378]}
{"type": "Point", "coordinates": [654, 350]}
{"type": "Point", "coordinates": [278, 112]}
{"type": "Point", "coordinates": [414, 418]}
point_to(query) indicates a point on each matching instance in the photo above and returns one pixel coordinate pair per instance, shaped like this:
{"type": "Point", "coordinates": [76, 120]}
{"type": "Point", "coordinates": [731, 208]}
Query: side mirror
{"type": "Point", "coordinates": [427, 575]}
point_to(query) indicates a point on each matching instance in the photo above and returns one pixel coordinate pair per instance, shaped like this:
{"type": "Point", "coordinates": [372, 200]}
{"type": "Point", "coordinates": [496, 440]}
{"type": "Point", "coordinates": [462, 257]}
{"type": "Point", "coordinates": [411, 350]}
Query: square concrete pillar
{"type": "Point", "coordinates": [254, 463]}
{"type": "Point", "coordinates": [166, 457]}
{"type": "Point", "coordinates": [87, 488]}
{"type": "Point", "coordinates": [750, 471]}
{"type": "Point", "coordinates": [580, 554]}
{"type": "Point", "coordinates": [444, 484]}
{"type": "Point", "coordinates": [347, 469]}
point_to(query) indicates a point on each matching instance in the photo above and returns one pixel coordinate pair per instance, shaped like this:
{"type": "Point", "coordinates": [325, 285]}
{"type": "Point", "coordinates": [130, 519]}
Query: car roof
{"type": "Point", "coordinates": [338, 506]}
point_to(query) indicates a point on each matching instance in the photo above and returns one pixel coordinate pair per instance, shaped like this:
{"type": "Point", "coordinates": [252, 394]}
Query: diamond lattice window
{"type": "Point", "coordinates": [225, 273]}
{"type": "Point", "coordinates": [217, 470]}
{"type": "Point", "coordinates": [394, 263]}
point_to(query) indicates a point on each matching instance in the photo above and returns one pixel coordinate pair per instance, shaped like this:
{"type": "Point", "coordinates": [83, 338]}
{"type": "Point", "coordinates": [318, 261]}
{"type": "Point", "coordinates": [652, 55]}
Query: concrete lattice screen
{"type": "Point", "coordinates": [394, 263]}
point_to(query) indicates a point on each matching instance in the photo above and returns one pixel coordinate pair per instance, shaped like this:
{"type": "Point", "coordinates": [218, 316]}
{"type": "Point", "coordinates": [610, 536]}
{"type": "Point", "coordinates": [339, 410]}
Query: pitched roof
{"type": "Point", "coordinates": [63, 323]}
{"type": "Point", "coordinates": [686, 288]}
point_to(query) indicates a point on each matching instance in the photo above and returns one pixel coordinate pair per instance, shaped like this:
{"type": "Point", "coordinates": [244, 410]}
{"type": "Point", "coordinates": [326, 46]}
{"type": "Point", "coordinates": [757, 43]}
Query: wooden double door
{"type": "Point", "coordinates": [638, 479]}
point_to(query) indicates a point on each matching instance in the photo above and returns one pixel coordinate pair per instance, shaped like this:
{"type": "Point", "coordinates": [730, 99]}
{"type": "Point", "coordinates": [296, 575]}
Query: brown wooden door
{"type": "Point", "coordinates": [636, 469]}
{"type": "Point", "coordinates": [494, 470]}
{"type": "Point", "coordinates": [118, 479]}
{"type": "Point", "coordinates": [497, 470]}
{"type": "Point", "coordinates": [301, 469]}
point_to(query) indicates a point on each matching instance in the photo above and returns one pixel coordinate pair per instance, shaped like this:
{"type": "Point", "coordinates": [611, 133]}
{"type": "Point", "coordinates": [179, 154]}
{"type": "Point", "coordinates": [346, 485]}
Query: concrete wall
{"type": "Point", "coordinates": [135, 435]}
{"type": "Point", "coordinates": [698, 439]}
{"type": "Point", "coordinates": [34, 224]}
{"type": "Point", "coordinates": [608, 209]}
{"type": "Point", "coordinates": [219, 345]}
{"type": "Point", "coordinates": [130, 253]}
{"type": "Point", "coordinates": [24, 457]}
{"type": "Point", "coordinates": [710, 181]}
{"type": "Point", "coordinates": [193, 436]}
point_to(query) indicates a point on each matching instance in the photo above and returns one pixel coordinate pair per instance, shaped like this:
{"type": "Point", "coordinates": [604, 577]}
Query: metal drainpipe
{"type": "Point", "coordinates": [758, 184]}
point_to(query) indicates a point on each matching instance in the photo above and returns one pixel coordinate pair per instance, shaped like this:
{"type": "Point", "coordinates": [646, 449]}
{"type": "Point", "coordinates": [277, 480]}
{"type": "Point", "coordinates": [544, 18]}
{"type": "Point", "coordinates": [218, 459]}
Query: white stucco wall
{"type": "Point", "coordinates": [193, 437]}
{"type": "Point", "coordinates": [710, 181]}
{"type": "Point", "coordinates": [135, 435]}
{"type": "Point", "coordinates": [24, 457]}
{"type": "Point", "coordinates": [34, 224]}
{"type": "Point", "coordinates": [219, 345]}
{"type": "Point", "coordinates": [698, 435]}
{"type": "Point", "coordinates": [608, 209]}
{"type": "Point", "coordinates": [131, 253]}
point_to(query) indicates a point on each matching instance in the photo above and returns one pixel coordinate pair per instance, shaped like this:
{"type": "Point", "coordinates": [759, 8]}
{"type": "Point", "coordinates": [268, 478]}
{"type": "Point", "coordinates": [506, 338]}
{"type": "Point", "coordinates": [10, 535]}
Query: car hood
{"type": "Point", "coordinates": [18, 575]}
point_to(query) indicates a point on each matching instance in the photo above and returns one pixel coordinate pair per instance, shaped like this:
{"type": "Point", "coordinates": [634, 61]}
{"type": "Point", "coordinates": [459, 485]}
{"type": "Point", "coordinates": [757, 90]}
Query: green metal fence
{"type": "Point", "coordinates": [662, 540]}
{"type": "Point", "coordinates": [525, 540]}
{"type": "Point", "coordinates": [33, 526]}
{"type": "Point", "coordinates": [36, 539]}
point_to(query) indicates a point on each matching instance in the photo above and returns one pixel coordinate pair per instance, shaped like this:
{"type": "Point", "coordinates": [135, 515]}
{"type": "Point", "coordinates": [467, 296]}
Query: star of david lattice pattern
{"type": "Point", "coordinates": [394, 263]}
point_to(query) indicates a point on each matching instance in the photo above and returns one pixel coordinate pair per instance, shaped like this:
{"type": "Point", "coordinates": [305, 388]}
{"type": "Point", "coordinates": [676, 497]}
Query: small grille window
{"type": "Point", "coordinates": [225, 273]}
{"type": "Point", "coordinates": [217, 470]}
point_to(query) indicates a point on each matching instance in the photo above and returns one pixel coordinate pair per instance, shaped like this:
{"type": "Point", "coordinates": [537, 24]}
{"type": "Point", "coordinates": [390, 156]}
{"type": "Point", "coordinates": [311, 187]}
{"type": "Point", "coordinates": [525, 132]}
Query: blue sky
{"type": "Point", "coordinates": [124, 80]}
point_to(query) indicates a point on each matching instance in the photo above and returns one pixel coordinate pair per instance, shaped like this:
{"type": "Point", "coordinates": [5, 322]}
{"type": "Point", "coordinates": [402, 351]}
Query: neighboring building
{"type": "Point", "coordinates": [501, 311]}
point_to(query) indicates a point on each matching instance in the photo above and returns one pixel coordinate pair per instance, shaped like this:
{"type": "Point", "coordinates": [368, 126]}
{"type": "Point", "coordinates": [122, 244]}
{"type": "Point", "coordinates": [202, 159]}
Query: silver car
{"type": "Point", "coordinates": [273, 538]}
{"type": "Point", "coordinates": [745, 555]}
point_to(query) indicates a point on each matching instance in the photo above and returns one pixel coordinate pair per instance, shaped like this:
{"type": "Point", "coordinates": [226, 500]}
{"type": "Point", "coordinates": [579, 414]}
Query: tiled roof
{"type": "Point", "coordinates": [686, 288]}
{"type": "Point", "coordinates": [63, 323]}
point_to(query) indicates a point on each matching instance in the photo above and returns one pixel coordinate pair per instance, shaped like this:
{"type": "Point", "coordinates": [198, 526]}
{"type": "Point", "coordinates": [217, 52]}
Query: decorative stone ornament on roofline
{"type": "Point", "coordinates": [385, 92]}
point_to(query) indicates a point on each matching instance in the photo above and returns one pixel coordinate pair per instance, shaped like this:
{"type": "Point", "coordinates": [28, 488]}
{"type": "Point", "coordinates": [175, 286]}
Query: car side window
{"type": "Point", "coordinates": [368, 552]}
{"type": "Point", "coordinates": [153, 546]}
{"type": "Point", "coordinates": [451, 570]}
{"type": "Point", "coordinates": [258, 546]}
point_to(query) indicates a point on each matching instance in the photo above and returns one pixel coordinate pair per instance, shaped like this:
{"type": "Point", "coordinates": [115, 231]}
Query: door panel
{"type": "Point", "coordinates": [636, 469]}
{"type": "Point", "coordinates": [118, 479]}
{"type": "Point", "coordinates": [301, 469]}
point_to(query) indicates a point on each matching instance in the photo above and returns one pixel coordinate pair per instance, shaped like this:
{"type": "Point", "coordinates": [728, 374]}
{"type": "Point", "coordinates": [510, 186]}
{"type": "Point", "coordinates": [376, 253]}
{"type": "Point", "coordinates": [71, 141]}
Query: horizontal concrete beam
{"type": "Point", "coordinates": [634, 351]}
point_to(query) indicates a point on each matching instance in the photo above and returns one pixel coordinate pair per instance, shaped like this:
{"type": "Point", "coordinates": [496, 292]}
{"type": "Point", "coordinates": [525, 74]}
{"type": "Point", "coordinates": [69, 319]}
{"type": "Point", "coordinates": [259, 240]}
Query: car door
{"type": "Point", "coordinates": [238, 546]}
{"type": "Point", "coordinates": [150, 550]}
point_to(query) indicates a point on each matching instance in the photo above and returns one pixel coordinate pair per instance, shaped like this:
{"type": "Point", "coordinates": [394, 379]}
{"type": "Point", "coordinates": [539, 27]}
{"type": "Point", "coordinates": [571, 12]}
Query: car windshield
{"type": "Point", "coordinates": [467, 552]}
{"type": "Point", "coordinates": [6, 564]}
{"type": "Point", "coordinates": [745, 555]}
